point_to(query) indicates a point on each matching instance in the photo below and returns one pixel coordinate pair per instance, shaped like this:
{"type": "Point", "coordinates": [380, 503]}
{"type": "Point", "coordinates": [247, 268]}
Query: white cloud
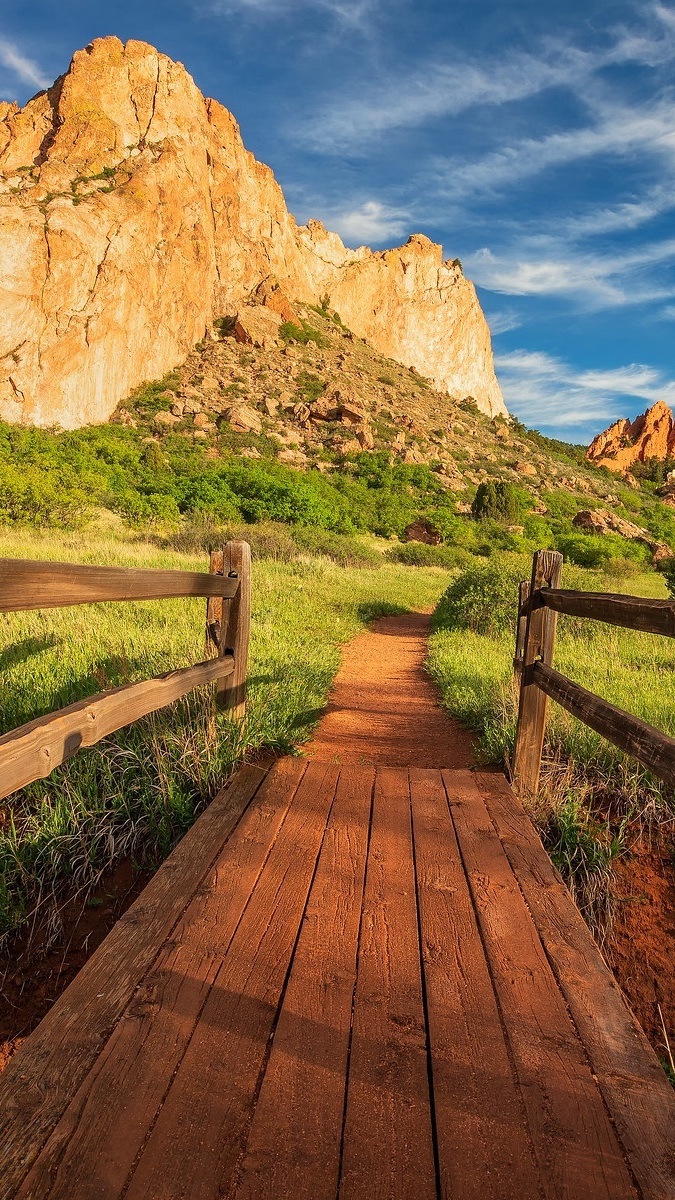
{"type": "Point", "coordinates": [445, 87]}
{"type": "Point", "coordinates": [543, 390]}
{"type": "Point", "coordinates": [371, 222]}
{"type": "Point", "coordinates": [544, 266]}
{"type": "Point", "coordinates": [24, 68]}
{"type": "Point", "coordinates": [503, 322]}
{"type": "Point", "coordinates": [353, 13]}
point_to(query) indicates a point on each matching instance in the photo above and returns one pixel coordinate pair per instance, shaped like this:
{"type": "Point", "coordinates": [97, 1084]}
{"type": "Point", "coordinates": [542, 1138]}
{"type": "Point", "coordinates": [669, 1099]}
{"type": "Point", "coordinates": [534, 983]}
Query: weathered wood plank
{"type": "Point", "coordinates": [652, 748]}
{"type": "Point", "coordinates": [236, 629]}
{"type": "Point", "coordinates": [539, 643]}
{"type": "Point", "coordinates": [388, 1082]}
{"type": "Point", "coordinates": [521, 627]}
{"type": "Point", "coordinates": [104, 1128]}
{"type": "Point", "coordinates": [484, 1148]}
{"type": "Point", "coordinates": [631, 612]}
{"type": "Point", "coordinates": [25, 584]}
{"type": "Point", "coordinates": [198, 1139]}
{"type": "Point", "coordinates": [293, 1149]}
{"type": "Point", "coordinates": [636, 1091]}
{"type": "Point", "coordinates": [574, 1142]}
{"type": "Point", "coordinates": [40, 1081]}
{"type": "Point", "coordinates": [32, 751]}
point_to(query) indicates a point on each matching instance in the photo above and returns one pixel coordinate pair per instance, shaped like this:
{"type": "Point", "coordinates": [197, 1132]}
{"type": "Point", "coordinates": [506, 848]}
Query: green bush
{"type": "Point", "coordinates": [302, 333]}
{"type": "Point", "coordinates": [483, 599]}
{"type": "Point", "coordinates": [419, 554]}
{"type": "Point", "coordinates": [500, 500]}
{"type": "Point", "coordinates": [667, 569]}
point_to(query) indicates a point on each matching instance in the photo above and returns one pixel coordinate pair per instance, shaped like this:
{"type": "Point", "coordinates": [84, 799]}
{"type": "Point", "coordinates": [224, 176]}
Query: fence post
{"type": "Point", "coordinates": [521, 626]}
{"type": "Point", "coordinates": [228, 624]}
{"type": "Point", "coordinates": [539, 640]}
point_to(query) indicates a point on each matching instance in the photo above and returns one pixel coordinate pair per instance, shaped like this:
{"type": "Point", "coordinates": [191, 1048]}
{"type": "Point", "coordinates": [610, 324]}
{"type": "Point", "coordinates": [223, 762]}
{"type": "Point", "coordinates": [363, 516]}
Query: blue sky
{"type": "Point", "coordinates": [535, 140]}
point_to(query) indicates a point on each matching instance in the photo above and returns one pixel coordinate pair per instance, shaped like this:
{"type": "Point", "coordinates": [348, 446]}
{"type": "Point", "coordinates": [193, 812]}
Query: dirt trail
{"type": "Point", "coordinates": [383, 709]}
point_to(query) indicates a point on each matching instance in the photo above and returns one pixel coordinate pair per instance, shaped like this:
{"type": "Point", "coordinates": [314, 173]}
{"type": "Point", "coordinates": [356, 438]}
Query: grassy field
{"type": "Point", "coordinates": [136, 792]}
{"type": "Point", "coordinates": [593, 799]}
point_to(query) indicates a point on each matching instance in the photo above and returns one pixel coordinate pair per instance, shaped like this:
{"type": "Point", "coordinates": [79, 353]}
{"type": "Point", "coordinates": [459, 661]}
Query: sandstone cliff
{"type": "Point", "coordinates": [651, 435]}
{"type": "Point", "coordinates": [132, 216]}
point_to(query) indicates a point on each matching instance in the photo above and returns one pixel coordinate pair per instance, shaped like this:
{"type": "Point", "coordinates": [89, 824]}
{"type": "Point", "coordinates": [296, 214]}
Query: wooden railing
{"type": "Point", "coordinates": [34, 750]}
{"type": "Point", "coordinates": [540, 601]}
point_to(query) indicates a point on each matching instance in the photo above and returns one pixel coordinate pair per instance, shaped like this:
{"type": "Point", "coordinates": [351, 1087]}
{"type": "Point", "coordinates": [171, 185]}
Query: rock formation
{"type": "Point", "coordinates": [603, 522]}
{"type": "Point", "coordinates": [132, 217]}
{"type": "Point", "coordinates": [651, 435]}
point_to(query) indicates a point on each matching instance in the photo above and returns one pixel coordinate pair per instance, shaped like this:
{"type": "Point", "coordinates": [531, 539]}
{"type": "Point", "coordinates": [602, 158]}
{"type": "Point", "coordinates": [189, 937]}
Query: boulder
{"type": "Point", "coordinates": [244, 419]}
{"type": "Point", "coordinates": [258, 326]}
{"type": "Point", "coordinates": [601, 521]}
{"type": "Point", "coordinates": [423, 531]}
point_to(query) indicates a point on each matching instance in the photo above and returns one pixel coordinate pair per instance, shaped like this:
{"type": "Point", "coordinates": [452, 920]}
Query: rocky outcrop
{"type": "Point", "coordinates": [651, 435]}
{"type": "Point", "coordinates": [132, 217]}
{"type": "Point", "coordinates": [603, 522]}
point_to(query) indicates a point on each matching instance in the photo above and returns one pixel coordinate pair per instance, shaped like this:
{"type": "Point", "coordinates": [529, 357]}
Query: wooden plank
{"type": "Point", "coordinates": [634, 736]}
{"type": "Point", "coordinates": [388, 1140]}
{"type": "Point", "coordinates": [636, 1091]}
{"type": "Point", "coordinates": [574, 1142]}
{"type": "Point", "coordinates": [33, 751]}
{"type": "Point", "coordinates": [39, 1082]}
{"type": "Point", "coordinates": [293, 1150]}
{"type": "Point", "coordinates": [96, 1143]}
{"type": "Point", "coordinates": [25, 584]}
{"type": "Point", "coordinates": [484, 1148]}
{"type": "Point", "coordinates": [539, 643]}
{"type": "Point", "coordinates": [631, 612]}
{"type": "Point", "coordinates": [197, 1141]}
{"type": "Point", "coordinates": [236, 629]}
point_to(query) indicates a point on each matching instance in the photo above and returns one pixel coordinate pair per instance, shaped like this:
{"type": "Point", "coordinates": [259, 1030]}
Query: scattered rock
{"type": "Point", "coordinates": [423, 531]}
{"type": "Point", "coordinates": [256, 325]}
{"type": "Point", "coordinates": [165, 419]}
{"type": "Point", "coordinates": [250, 452]}
{"type": "Point", "coordinates": [203, 422]}
{"type": "Point", "coordinates": [525, 468]}
{"type": "Point", "coordinates": [244, 419]}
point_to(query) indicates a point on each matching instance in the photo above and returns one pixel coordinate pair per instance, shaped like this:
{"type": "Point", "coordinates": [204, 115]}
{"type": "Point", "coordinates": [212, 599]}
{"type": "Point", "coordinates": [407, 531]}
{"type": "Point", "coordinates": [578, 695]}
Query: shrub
{"type": "Point", "coordinates": [498, 499]}
{"type": "Point", "coordinates": [303, 333]}
{"type": "Point", "coordinates": [483, 599]}
{"type": "Point", "coordinates": [419, 554]}
{"type": "Point", "coordinates": [667, 569]}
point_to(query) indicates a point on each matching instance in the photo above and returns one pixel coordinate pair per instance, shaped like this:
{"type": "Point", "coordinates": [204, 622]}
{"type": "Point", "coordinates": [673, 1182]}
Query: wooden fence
{"type": "Point", "coordinates": [540, 601]}
{"type": "Point", "coordinates": [34, 750]}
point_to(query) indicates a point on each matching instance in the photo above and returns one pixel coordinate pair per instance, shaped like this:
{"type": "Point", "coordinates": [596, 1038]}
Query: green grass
{"type": "Point", "coordinates": [593, 800]}
{"type": "Point", "coordinates": [139, 790]}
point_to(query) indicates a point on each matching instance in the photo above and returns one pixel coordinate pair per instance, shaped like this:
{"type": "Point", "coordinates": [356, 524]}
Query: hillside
{"type": "Point", "coordinates": [132, 215]}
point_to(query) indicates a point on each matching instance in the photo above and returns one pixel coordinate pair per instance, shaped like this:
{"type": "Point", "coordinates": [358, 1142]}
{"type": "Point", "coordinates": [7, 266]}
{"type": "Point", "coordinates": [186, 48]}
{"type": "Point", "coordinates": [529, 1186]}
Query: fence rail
{"type": "Point", "coordinates": [32, 751]}
{"type": "Point", "coordinates": [540, 601]}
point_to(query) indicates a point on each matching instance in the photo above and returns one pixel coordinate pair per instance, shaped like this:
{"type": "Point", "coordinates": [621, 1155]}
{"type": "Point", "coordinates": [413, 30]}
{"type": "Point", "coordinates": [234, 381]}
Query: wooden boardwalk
{"type": "Point", "coordinates": [346, 982]}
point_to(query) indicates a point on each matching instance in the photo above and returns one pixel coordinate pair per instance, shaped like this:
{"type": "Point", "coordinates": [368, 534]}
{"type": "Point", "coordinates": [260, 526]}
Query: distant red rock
{"type": "Point", "coordinates": [651, 435]}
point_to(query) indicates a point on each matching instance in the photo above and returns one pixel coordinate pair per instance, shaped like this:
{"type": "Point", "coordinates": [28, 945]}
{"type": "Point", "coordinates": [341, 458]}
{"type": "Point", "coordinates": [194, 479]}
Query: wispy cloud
{"type": "Point", "coordinates": [24, 68]}
{"type": "Point", "coordinates": [543, 390]}
{"type": "Point", "coordinates": [354, 13]}
{"type": "Point", "coordinates": [368, 223]}
{"type": "Point", "coordinates": [503, 322]}
{"type": "Point", "coordinates": [546, 266]}
{"type": "Point", "coordinates": [443, 88]}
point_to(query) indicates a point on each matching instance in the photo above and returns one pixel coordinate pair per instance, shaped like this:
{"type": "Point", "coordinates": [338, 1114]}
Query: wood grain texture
{"type": "Point", "coordinates": [577, 1150]}
{"type": "Point", "coordinates": [40, 1081]}
{"type": "Point", "coordinates": [25, 584]}
{"type": "Point", "coordinates": [521, 627]}
{"type": "Point", "coordinates": [293, 1150]}
{"type": "Point", "coordinates": [631, 612]}
{"type": "Point", "coordinates": [95, 1144]}
{"type": "Point", "coordinates": [652, 748]}
{"type": "Point", "coordinates": [478, 1105]}
{"type": "Point", "coordinates": [196, 1144]}
{"type": "Point", "coordinates": [235, 629]}
{"type": "Point", "coordinates": [539, 643]}
{"type": "Point", "coordinates": [32, 751]}
{"type": "Point", "coordinates": [388, 1082]}
{"type": "Point", "coordinates": [636, 1091]}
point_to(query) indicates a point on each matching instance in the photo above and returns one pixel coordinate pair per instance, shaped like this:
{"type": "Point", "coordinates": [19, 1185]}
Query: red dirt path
{"type": "Point", "coordinates": [383, 709]}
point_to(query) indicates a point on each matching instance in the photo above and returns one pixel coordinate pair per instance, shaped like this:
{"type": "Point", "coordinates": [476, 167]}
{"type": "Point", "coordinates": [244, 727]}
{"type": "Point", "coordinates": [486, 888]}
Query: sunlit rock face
{"type": "Point", "coordinates": [132, 216]}
{"type": "Point", "coordinates": [651, 435]}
